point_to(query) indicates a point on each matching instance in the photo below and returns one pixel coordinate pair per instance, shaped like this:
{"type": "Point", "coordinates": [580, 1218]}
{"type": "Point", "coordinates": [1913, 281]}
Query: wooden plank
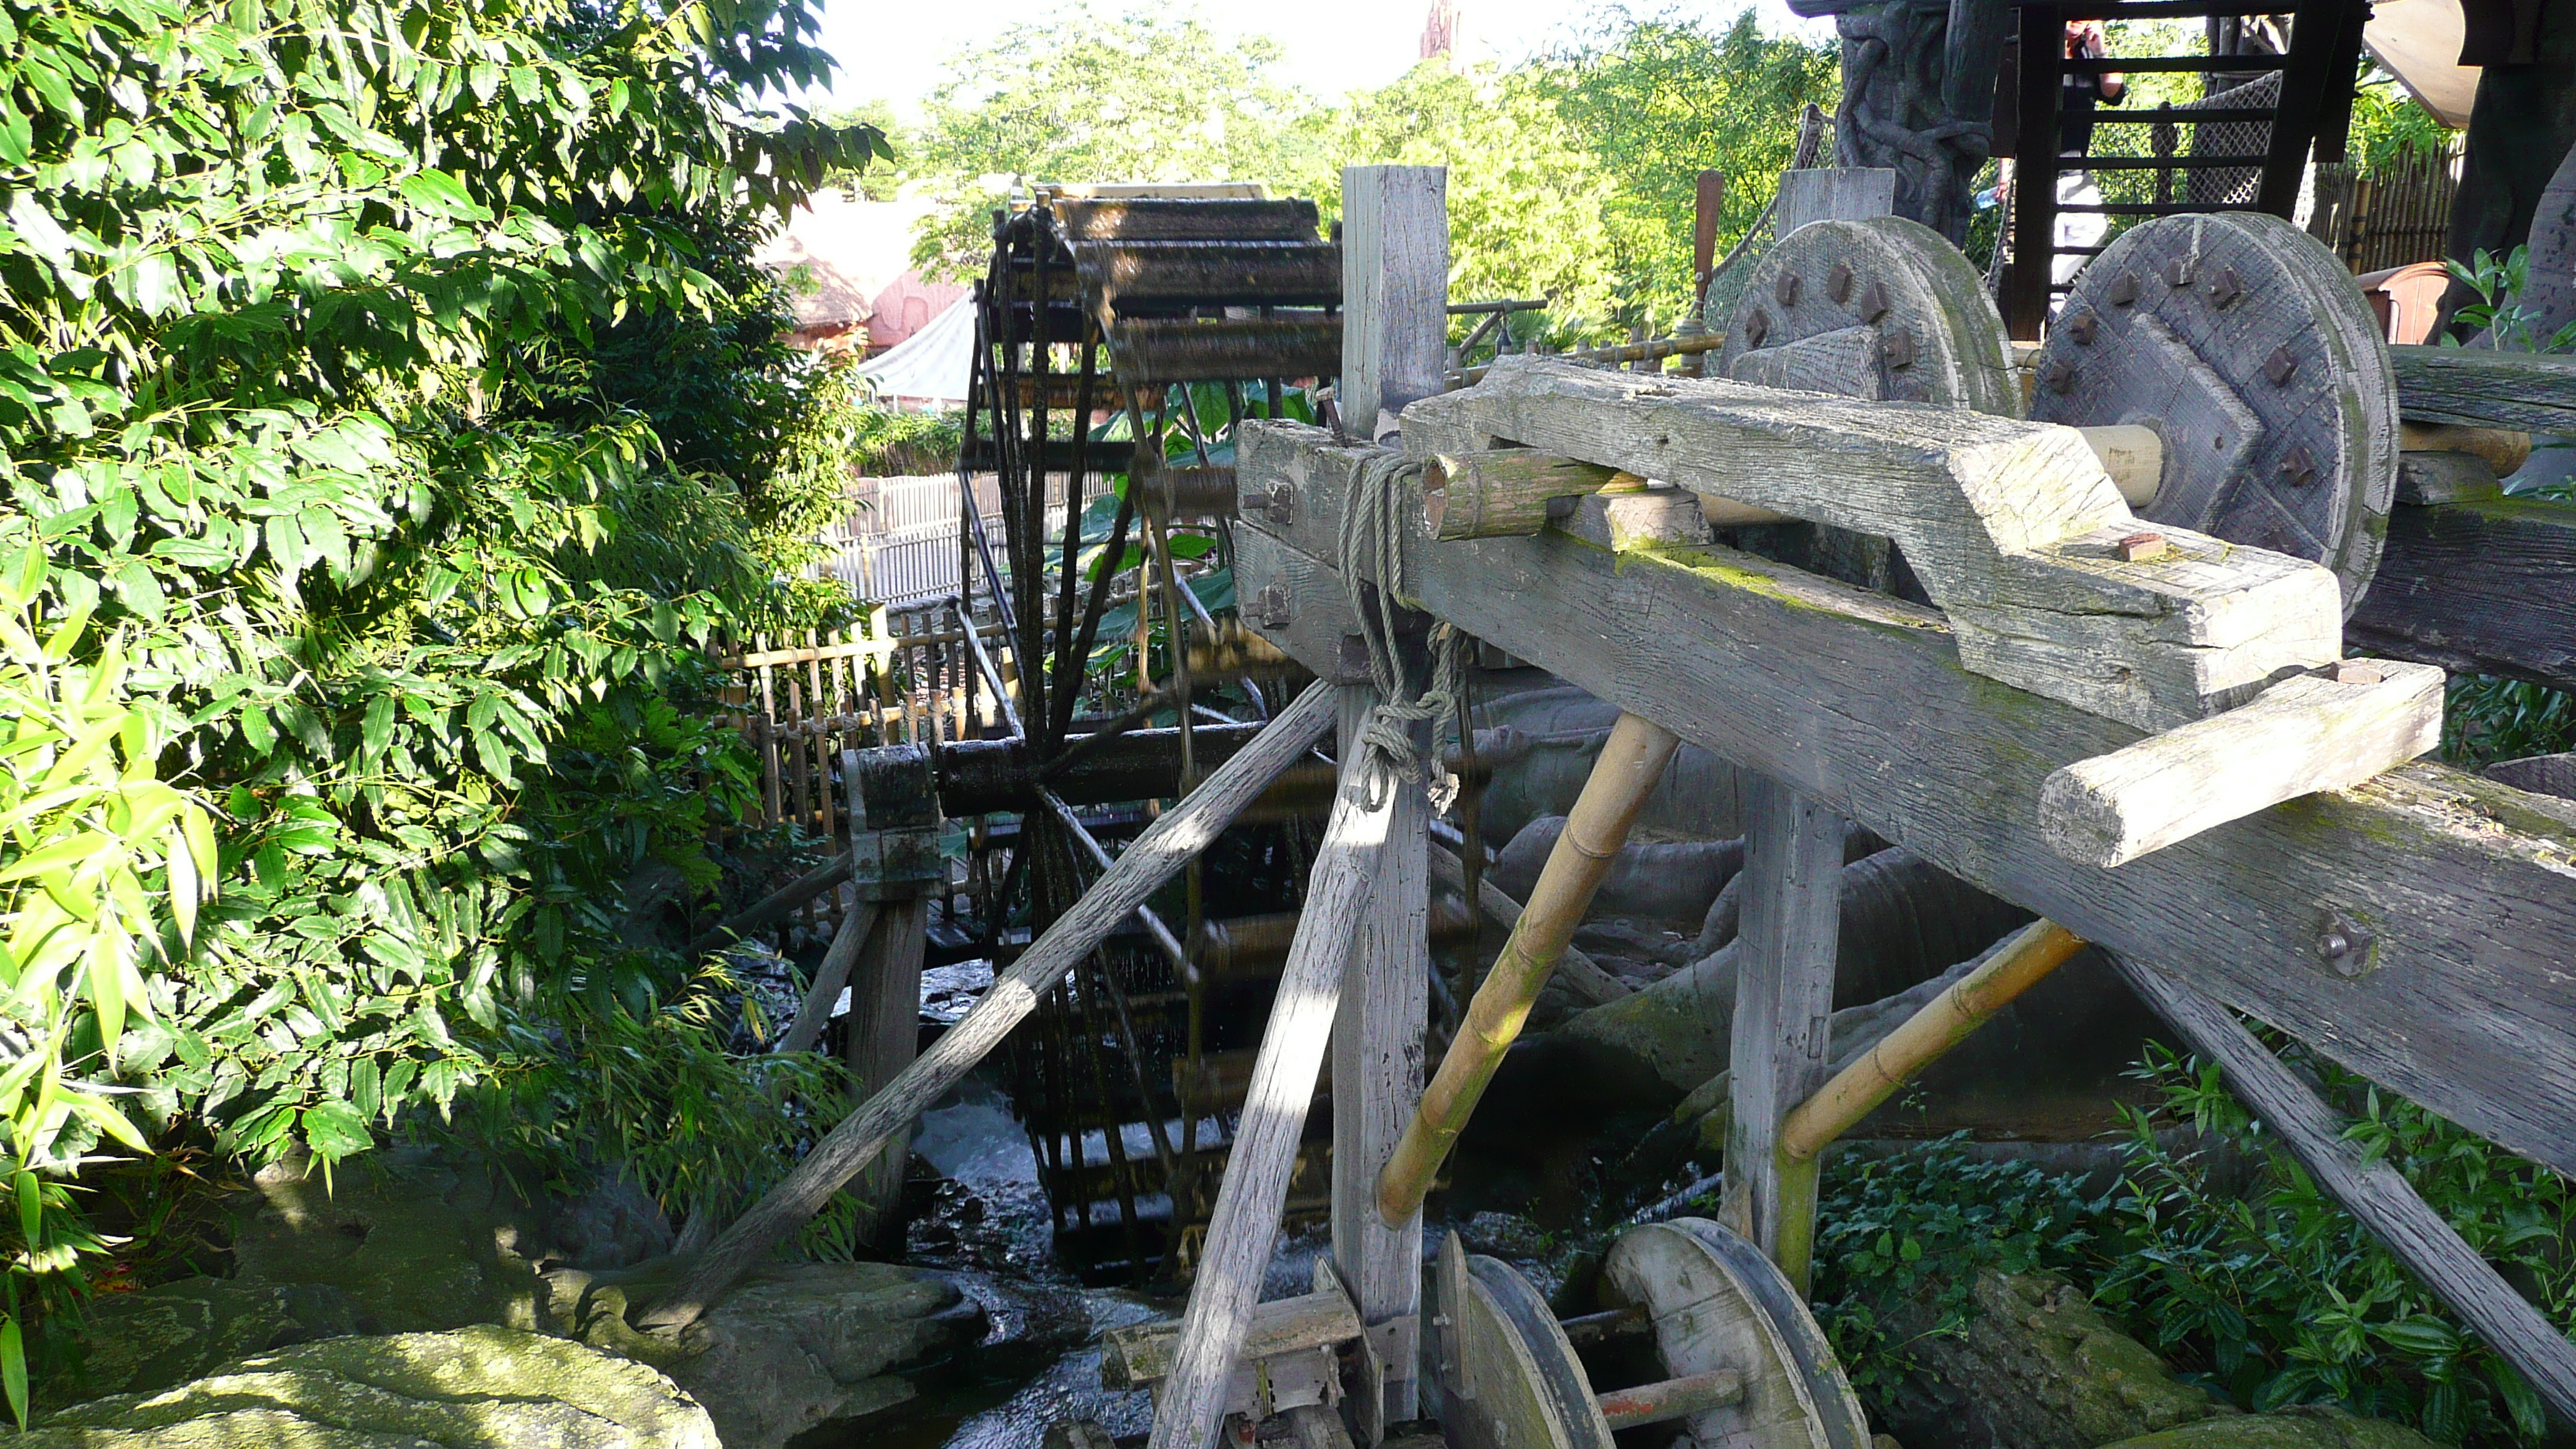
{"type": "Point", "coordinates": [824, 991]}
{"type": "Point", "coordinates": [2482, 587]}
{"type": "Point", "coordinates": [2325, 731]}
{"type": "Point", "coordinates": [1152, 859]}
{"type": "Point", "coordinates": [849, 649]}
{"type": "Point", "coordinates": [885, 1037]}
{"type": "Point", "coordinates": [2464, 890]}
{"type": "Point", "coordinates": [1140, 1355]}
{"type": "Point", "coordinates": [2012, 527]}
{"type": "Point", "coordinates": [1784, 1007]}
{"type": "Point", "coordinates": [1395, 289]}
{"type": "Point", "coordinates": [1377, 1060]}
{"type": "Point", "coordinates": [1837, 193]}
{"type": "Point", "coordinates": [2376, 1193]}
{"type": "Point", "coordinates": [2487, 388]}
{"type": "Point", "coordinates": [1244, 1226]}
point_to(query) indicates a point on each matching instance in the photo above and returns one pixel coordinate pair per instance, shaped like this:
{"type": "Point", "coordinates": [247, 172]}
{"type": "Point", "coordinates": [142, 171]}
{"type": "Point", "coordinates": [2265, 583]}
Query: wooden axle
{"type": "Point", "coordinates": [1676, 1398]}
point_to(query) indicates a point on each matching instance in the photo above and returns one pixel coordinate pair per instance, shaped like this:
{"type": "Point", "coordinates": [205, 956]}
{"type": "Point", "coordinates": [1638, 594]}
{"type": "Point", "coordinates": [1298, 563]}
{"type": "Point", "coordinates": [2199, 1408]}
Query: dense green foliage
{"type": "Point", "coordinates": [2228, 1259]}
{"type": "Point", "coordinates": [1570, 177]}
{"type": "Point", "coordinates": [388, 414]}
{"type": "Point", "coordinates": [1655, 100]}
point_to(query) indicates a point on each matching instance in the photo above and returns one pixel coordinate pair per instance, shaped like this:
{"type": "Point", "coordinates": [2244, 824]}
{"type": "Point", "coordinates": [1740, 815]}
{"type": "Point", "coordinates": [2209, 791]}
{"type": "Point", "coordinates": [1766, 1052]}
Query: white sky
{"type": "Point", "coordinates": [899, 51]}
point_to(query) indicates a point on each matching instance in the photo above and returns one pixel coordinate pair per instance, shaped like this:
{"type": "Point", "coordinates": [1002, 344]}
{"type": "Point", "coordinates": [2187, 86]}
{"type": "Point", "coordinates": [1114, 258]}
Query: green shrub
{"type": "Point", "coordinates": [2265, 1290]}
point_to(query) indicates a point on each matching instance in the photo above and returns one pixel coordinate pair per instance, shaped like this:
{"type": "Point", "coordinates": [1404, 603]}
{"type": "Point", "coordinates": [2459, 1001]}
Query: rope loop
{"type": "Point", "coordinates": [1372, 560]}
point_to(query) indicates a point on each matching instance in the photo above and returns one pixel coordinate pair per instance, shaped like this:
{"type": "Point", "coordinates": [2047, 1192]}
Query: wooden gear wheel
{"type": "Point", "coordinates": [1883, 310]}
{"type": "Point", "coordinates": [2245, 345]}
{"type": "Point", "coordinates": [1746, 1366]}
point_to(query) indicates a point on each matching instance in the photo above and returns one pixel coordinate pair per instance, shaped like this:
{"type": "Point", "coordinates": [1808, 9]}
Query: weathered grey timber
{"type": "Point", "coordinates": [2478, 385]}
{"type": "Point", "coordinates": [2454, 898]}
{"type": "Point", "coordinates": [2325, 731]}
{"type": "Point", "coordinates": [1574, 968]}
{"type": "Point", "coordinates": [1879, 310]}
{"type": "Point", "coordinates": [1832, 193]}
{"type": "Point", "coordinates": [2012, 527]}
{"type": "Point", "coordinates": [2372, 1190]}
{"type": "Point", "coordinates": [1395, 350]}
{"type": "Point", "coordinates": [1139, 1355]}
{"type": "Point", "coordinates": [830, 975]}
{"type": "Point", "coordinates": [1244, 1226]}
{"type": "Point", "coordinates": [776, 906]}
{"type": "Point", "coordinates": [1784, 1006]}
{"type": "Point", "coordinates": [1151, 859]}
{"type": "Point", "coordinates": [2241, 340]}
{"type": "Point", "coordinates": [2540, 774]}
{"type": "Point", "coordinates": [1377, 1074]}
{"type": "Point", "coordinates": [2424, 478]}
{"type": "Point", "coordinates": [2480, 587]}
{"type": "Point", "coordinates": [884, 1037]}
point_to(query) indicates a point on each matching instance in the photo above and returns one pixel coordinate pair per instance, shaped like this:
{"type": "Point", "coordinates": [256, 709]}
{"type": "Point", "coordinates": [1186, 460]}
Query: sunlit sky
{"type": "Point", "coordinates": [898, 52]}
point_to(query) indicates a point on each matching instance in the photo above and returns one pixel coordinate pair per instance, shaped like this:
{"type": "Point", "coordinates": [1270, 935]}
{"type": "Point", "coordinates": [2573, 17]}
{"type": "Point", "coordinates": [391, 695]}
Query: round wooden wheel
{"type": "Point", "coordinates": [1884, 309]}
{"type": "Point", "coordinates": [2245, 345]}
{"type": "Point", "coordinates": [1509, 1376]}
{"type": "Point", "coordinates": [1716, 1302]}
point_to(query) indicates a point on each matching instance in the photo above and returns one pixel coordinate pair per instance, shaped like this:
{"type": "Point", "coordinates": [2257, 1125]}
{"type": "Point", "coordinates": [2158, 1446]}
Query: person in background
{"type": "Point", "coordinates": [2075, 185]}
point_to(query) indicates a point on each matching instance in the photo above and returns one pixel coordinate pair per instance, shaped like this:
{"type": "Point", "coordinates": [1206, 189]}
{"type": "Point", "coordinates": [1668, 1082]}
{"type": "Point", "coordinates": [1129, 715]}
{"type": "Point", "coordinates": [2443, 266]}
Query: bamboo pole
{"type": "Point", "coordinates": [1944, 1022]}
{"type": "Point", "coordinates": [1925, 1037]}
{"type": "Point", "coordinates": [1154, 857]}
{"type": "Point", "coordinates": [1632, 762]}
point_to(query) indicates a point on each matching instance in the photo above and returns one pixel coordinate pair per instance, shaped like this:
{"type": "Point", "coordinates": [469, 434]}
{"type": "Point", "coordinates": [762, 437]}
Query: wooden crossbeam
{"type": "Point", "coordinates": [2416, 928]}
{"type": "Point", "coordinates": [2013, 527]}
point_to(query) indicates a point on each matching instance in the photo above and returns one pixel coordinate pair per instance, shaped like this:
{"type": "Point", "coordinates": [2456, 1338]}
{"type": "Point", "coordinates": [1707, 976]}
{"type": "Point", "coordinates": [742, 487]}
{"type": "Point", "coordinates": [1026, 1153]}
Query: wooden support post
{"type": "Point", "coordinates": [1152, 859]}
{"type": "Point", "coordinates": [885, 1036]}
{"type": "Point", "coordinates": [1245, 1224]}
{"type": "Point", "coordinates": [829, 977]}
{"type": "Point", "coordinates": [2376, 1193]}
{"type": "Point", "coordinates": [1395, 290]}
{"type": "Point", "coordinates": [1377, 1077]}
{"type": "Point", "coordinates": [1784, 1005]}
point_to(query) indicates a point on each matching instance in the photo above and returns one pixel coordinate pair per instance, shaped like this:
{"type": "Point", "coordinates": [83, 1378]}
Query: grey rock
{"type": "Point", "coordinates": [615, 1224]}
{"type": "Point", "coordinates": [1669, 880]}
{"type": "Point", "coordinates": [2309, 1426]}
{"type": "Point", "coordinates": [796, 1346]}
{"type": "Point", "coordinates": [484, 1387]}
{"type": "Point", "coordinates": [163, 1336]}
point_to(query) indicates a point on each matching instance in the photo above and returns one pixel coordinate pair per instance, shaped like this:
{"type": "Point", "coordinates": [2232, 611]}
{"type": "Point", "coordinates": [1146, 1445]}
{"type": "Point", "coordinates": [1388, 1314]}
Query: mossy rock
{"type": "Point", "coordinates": [483, 1387]}
{"type": "Point", "coordinates": [2038, 1368]}
{"type": "Point", "coordinates": [140, 1343]}
{"type": "Point", "coordinates": [2310, 1427]}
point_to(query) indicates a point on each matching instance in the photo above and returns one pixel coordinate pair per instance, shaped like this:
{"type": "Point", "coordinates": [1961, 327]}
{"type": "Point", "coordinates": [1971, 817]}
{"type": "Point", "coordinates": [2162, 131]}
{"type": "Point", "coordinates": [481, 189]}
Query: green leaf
{"type": "Point", "coordinates": [31, 1209]}
{"type": "Point", "coordinates": [335, 1129]}
{"type": "Point", "coordinates": [13, 1368]}
{"type": "Point", "coordinates": [440, 194]}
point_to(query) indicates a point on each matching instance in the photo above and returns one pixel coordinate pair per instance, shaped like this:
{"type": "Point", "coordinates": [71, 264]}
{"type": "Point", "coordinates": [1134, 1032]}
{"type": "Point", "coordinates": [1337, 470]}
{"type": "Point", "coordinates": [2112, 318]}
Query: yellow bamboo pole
{"type": "Point", "coordinates": [1632, 761]}
{"type": "Point", "coordinates": [1945, 1021]}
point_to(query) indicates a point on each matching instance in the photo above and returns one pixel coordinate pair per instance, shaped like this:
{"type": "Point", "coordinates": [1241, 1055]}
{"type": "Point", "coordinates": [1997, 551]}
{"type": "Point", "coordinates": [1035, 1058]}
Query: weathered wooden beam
{"type": "Point", "coordinates": [2325, 731]}
{"type": "Point", "coordinates": [884, 1038]}
{"type": "Point", "coordinates": [2012, 527]}
{"type": "Point", "coordinates": [2416, 928]}
{"type": "Point", "coordinates": [1139, 1355]}
{"type": "Point", "coordinates": [2480, 587]}
{"type": "Point", "coordinates": [2482, 387]}
{"type": "Point", "coordinates": [1784, 1006]}
{"type": "Point", "coordinates": [815, 1010]}
{"type": "Point", "coordinates": [1395, 289]}
{"type": "Point", "coordinates": [1377, 1066]}
{"type": "Point", "coordinates": [2373, 1191]}
{"type": "Point", "coordinates": [1244, 1226]}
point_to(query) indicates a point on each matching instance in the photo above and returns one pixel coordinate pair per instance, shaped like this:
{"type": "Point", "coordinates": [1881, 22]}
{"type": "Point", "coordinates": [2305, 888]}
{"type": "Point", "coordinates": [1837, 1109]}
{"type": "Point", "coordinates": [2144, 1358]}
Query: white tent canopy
{"type": "Point", "coordinates": [932, 364]}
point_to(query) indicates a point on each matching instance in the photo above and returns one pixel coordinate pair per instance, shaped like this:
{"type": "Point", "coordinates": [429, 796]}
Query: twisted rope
{"type": "Point", "coordinates": [1372, 560]}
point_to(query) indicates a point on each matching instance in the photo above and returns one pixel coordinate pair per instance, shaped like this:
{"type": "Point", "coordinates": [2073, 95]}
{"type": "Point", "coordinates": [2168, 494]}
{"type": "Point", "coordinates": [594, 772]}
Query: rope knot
{"type": "Point", "coordinates": [1372, 561]}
